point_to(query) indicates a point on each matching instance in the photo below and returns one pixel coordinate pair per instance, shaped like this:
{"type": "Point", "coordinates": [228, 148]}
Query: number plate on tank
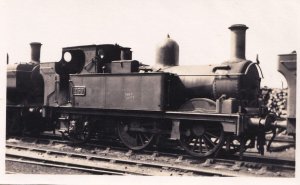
{"type": "Point", "coordinates": [79, 90]}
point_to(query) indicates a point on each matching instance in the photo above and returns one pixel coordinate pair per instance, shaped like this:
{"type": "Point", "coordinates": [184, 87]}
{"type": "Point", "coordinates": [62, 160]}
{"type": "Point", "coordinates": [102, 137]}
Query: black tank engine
{"type": "Point", "coordinates": [100, 89]}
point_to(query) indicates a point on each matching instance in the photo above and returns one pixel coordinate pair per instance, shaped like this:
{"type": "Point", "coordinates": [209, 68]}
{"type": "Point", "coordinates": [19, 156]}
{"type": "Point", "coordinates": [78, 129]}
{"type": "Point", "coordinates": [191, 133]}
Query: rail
{"type": "Point", "coordinates": [149, 162]}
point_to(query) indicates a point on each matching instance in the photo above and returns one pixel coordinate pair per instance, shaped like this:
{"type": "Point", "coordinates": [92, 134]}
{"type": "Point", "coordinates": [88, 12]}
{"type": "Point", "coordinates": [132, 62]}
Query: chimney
{"type": "Point", "coordinates": [35, 52]}
{"type": "Point", "coordinates": [238, 40]}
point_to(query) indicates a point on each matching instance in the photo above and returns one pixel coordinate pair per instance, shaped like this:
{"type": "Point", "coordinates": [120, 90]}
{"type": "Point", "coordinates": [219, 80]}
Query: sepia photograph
{"type": "Point", "coordinates": [109, 92]}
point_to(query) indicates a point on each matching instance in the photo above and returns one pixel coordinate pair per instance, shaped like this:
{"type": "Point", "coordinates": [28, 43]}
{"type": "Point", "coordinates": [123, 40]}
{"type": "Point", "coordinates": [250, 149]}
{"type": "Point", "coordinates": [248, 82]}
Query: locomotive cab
{"type": "Point", "coordinates": [87, 59]}
{"type": "Point", "coordinates": [90, 58]}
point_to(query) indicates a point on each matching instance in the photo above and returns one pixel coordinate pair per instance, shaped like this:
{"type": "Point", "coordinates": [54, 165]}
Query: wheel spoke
{"type": "Point", "coordinates": [209, 140]}
{"type": "Point", "coordinates": [141, 139]}
{"type": "Point", "coordinates": [136, 139]}
{"type": "Point", "coordinates": [195, 144]}
{"type": "Point", "coordinates": [216, 140]}
{"type": "Point", "coordinates": [205, 144]}
{"type": "Point", "coordinates": [208, 133]}
{"type": "Point", "coordinates": [147, 138]}
{"type": "Point", "coordinates": [200, 144]}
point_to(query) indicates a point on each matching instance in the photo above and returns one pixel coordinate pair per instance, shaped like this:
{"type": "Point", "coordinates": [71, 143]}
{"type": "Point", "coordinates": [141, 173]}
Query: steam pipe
{"type": "Point", "coordinates": [238, 35]}
{"type": "Point", "coordinates": [35, 52]}
{"type": "Point", "coordinates": [280, 124]}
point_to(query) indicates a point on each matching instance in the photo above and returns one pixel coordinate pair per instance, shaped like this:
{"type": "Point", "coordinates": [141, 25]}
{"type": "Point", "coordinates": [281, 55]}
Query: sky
{"type": "Point", "coordinates": [200, 27]}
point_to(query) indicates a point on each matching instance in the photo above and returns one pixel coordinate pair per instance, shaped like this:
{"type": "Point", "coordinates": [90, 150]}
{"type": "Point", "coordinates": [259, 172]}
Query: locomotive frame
{"type": "Point", "coordinates": [100, 88]}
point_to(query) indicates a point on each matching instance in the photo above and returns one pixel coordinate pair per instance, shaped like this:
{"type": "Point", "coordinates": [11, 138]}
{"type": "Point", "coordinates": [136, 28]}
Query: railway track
{"type": "Point", "coordinates": [47, 163]}
{"type": "Point", "coordinates": [103, 159]}
{"type": "Point", "coordinates": [121, 166]}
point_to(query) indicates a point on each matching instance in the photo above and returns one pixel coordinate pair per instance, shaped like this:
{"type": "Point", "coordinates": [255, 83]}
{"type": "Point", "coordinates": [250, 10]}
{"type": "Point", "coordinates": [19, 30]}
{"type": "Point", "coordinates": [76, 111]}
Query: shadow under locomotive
{"type": "Point", "coordinates": [99, 89]}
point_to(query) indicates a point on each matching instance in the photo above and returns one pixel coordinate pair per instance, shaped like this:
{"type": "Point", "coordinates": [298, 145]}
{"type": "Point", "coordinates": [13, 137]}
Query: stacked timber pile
{"type": "Point", "coordinates": [276, 100]}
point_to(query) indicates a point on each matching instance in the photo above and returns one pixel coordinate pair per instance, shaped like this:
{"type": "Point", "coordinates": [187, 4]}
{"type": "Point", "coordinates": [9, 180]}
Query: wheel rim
{"type": "Point", "coordinates": [135, 140]}
{"type": "Point", "coordinates": [201, 139]}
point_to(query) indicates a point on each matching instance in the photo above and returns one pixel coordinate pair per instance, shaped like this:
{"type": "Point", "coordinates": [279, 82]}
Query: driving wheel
{"type": "Point", "coordinates": [136, 134]}
{"type": "Point", "coordinates": [201, 139]}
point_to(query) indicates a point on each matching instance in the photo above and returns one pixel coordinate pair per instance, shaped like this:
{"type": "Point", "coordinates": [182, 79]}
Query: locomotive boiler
{"type": "Point", "coordinates": [101, 90]}
{"type": "Point", "coordinates": [236, 78]}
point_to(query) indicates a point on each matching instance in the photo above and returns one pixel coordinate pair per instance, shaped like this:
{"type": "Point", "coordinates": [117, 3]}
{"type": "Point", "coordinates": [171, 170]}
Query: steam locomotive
{"type": "Point", "coordinates": [100, 89]}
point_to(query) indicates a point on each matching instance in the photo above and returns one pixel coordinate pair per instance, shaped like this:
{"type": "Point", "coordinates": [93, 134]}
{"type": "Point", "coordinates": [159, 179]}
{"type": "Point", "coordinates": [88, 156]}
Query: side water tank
{"type": "Point", "coordinates": [167, 53]}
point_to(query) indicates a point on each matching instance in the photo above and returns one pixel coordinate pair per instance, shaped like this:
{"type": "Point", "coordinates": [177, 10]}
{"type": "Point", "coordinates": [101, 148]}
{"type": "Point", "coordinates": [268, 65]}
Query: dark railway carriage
{"type": "Point", "coordinates": [100, 90]}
